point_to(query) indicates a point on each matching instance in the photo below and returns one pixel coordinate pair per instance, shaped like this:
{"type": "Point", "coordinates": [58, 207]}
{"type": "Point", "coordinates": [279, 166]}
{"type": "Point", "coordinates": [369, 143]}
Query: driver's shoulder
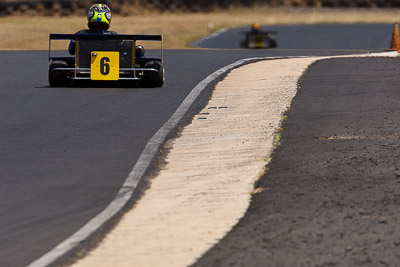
{"type": "Point", "coordinates": [96, 31]}
{"type": "Point", "coordinates": [111, 33]}
{"type": "Point", "coordinates": [84, 31]}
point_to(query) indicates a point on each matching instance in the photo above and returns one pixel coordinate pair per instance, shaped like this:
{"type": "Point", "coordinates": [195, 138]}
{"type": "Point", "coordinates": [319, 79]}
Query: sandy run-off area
{"type": "Point", "coordinates": [206, 184]}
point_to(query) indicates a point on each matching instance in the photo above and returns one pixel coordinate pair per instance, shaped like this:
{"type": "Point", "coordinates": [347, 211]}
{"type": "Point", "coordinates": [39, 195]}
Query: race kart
{"type": "Point", "coordinates": [259, 39]}
{"type": "Point", "coordinates": [106, 59]}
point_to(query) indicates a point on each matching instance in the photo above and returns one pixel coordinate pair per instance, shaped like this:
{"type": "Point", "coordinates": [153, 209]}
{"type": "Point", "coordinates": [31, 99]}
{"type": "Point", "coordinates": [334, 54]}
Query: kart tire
{"type": "Point", "coordinates": [273, 43]}
{"type": "Point", "coordinates": [58, 78]}
{"type": "Point", "coordinates": [154, 79]}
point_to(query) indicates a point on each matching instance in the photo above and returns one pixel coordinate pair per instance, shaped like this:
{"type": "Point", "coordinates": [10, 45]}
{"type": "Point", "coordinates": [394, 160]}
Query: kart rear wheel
{"type": "Point", "coordinates": [58, 78]}
{"type": "Point", "coordinates": [272, 43]}
{"type": "Point", "coordinates": [154, 79]}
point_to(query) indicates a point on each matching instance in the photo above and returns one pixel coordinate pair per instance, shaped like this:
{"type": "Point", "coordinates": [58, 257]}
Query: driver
{"type": "Point", "coordinates": [99, 19]}
{"type": "Point", "coordinates": [255, 27]}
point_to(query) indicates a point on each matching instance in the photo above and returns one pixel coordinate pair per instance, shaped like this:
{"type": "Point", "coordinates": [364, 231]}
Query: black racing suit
{"type": "Point", "coordinates": [72, 44]}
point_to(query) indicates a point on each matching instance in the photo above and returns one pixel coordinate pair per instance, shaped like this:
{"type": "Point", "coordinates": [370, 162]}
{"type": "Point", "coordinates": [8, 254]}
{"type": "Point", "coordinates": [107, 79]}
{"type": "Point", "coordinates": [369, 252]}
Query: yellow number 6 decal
{"type": "Point", "coordinates": [104, 66]}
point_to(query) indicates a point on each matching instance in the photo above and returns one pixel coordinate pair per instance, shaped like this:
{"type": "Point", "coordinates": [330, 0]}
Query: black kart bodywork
{"type": "Point", "coordinates": [259, 40]}
{"type": "Point", "coordinates": [106, 59]}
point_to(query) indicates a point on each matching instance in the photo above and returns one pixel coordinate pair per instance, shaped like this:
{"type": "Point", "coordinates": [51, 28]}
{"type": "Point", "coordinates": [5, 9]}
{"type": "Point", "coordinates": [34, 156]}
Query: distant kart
{"type": "Point", "coordinates": [259, 40]}
{"type": "Point", "coordinates": [105, 59]}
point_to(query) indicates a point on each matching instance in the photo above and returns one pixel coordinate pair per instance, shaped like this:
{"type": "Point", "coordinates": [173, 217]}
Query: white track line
{"type": "Point", "coordinates": [131, 182]}
{"type": "Point", "coordinates": [149, 152]}
{"type": "Point", "coordinates": [199, 42]}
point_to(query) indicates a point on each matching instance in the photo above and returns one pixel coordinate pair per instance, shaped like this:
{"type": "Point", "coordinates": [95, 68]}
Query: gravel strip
{"type": "Point", "coordinates": [205, 186]}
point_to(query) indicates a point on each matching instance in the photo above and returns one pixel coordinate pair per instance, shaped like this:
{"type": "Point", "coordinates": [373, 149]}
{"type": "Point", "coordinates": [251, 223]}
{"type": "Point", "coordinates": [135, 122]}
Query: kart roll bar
{"type": "Point", "coordinates": [133, 37]}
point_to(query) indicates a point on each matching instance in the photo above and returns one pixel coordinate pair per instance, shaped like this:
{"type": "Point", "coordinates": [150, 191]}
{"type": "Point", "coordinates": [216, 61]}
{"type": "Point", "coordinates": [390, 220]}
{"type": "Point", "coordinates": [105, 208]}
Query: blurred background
{"type": "Point", "coordinates": [27, 24]}
{"type": "Point", "coordinates": [126, 7]}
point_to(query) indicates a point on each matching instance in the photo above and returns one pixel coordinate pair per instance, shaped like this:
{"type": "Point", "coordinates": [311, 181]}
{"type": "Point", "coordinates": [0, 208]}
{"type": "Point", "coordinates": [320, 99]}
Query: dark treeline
{"type": "Point", "coordinates": [67, 7]}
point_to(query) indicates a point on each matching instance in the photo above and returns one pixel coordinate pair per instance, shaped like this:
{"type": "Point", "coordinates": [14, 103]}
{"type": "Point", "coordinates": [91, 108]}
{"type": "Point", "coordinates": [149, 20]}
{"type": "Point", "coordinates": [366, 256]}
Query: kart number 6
{"type": "Point", "coordinates": [104, 66]}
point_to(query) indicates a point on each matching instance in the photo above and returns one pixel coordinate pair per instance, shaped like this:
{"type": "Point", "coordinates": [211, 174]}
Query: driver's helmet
{"type": "Point", "coordinates": [255, 27]}
{"type": "Point", "coordinates": [99, 16]}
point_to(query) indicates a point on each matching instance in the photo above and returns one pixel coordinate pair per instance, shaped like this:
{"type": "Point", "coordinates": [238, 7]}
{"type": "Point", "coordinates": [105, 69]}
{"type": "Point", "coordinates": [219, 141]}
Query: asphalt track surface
{"type": "Point", "coordinates": [321, 36]}
{"type": "Point", "coordinates": [332, 189]}
{"type": "Point", "coordinates": [66, 151]}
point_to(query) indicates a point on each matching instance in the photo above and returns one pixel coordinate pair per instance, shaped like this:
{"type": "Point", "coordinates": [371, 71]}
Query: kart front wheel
{"type": "Point", "coordinates": [58, 78]}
